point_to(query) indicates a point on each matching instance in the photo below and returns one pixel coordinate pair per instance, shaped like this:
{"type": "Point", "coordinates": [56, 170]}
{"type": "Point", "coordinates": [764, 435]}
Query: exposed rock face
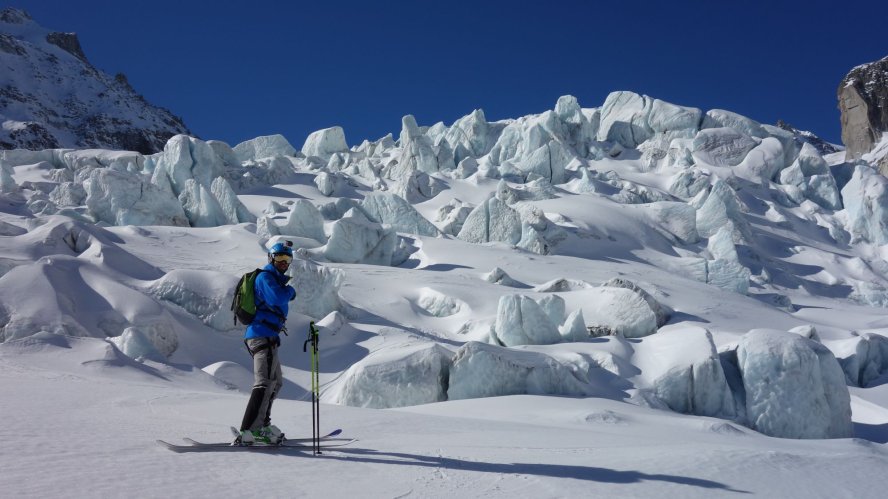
{"type": "Point", "coordinates": [802, 136]}
{"type": "Point", "coordinates": [52, 97]}
{"type": "Point", "coordinates": [863, 101]}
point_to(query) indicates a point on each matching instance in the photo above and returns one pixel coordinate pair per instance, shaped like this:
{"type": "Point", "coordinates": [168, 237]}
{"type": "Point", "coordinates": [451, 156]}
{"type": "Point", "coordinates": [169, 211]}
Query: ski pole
{"type": "Point", "coordinates": [315, 388]}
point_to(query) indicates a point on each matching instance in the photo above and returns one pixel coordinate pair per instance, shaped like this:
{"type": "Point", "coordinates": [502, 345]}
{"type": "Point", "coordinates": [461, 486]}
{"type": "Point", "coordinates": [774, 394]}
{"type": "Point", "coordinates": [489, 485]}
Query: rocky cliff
{"type": "Point", "coordinates": [52, 97]}
{"type": "Point", "coordinates": [863, 101]}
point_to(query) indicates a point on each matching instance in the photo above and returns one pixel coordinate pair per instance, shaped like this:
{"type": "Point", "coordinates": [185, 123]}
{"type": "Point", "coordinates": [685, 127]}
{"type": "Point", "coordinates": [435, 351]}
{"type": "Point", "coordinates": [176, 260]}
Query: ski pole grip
{"type": "Point", "coordinates": [312, 337]}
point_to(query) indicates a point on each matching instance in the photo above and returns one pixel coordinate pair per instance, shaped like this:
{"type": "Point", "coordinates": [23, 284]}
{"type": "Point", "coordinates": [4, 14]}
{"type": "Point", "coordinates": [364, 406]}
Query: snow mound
{"type": "Point", "coordinates": [438, 304]}
{"type": "Point", "coordinates": [203, 293]}
{"type": "Point", "coordinates": [677, 221]}
{"type": "Point", "coordinates": [232, 374]}
{"type": "Point", "coordinates": [621, 311]}
{"type": "Point", "coordinates": [8, 229]}
{"type": "Point", "coordinates": [499, 276]}
{"type": "Point", "coordinates": [399, 377]}
{"type": "Point", "coordinates": [88, 302]}
{"type": "Point", "coordinates": [794, 387]}
{"type": "Point", "coordinates": [662, 312]}
{"type": "Point", "coordinates": [136, 345]}
{"type": "Point", "coordinates": [561, 285]}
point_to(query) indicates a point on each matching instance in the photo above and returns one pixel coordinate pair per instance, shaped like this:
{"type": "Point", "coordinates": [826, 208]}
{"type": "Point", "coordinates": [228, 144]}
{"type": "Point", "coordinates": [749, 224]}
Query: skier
{"type": "Point", "coordinates": [272, 295]}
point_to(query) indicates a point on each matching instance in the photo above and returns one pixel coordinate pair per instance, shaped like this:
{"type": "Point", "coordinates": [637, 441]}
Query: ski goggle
{"type": "Point", "coordinates": [281, 257]}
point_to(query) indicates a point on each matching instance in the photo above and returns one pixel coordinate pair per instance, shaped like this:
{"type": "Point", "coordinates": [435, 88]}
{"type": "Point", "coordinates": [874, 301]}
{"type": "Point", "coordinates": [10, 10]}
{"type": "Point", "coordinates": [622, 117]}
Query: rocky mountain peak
{"type": "Point", "coordinates": [14, 16]}
{"type": "Point", "coordinates": [822, 146]}
{"type": "Point", "coordinates": [52, 97]}
{"type": "Point", "coordinates": [67, 42]}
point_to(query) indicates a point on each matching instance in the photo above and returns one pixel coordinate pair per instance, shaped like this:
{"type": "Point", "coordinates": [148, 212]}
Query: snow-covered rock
{"type": "Point", "coordinates": [263, 147]}
{"type": "Point", "coordinates": [721, 146]}
{"type": "Point", "coordinates": [688, 183]}
{"type": "Point", "coordinates": [720, 207]}
{"type": "Point", "coordinates": [438, 304]}
{"type": "Point", "coordinates": [674, 121]}
{"type": "Point", "coordinates": [676, 220]}
{"type": "Point", "coordinates": [624, 119]}
{"type": "Point", "coordinates": [7, 183]}
{"type": "Point", "coordinates": [201, 207]}
{"type": "Point", "coordinates": [186, 158]}
{"type": "Point", "coordinates": [235, 211]}
{"type": "Point", "coordinates": [492, 220]}
{"type": "Point", "coordinates": [762, 162]}
{"type": "Point", "coordinates": [574, 327]}
{"type": "Point", "coordinates": [499, 276]}
{"type": "Point", "coordinates": [134, 344]}
{"type": "Point", "coordinates": [865, 198]}
{"type": "Point", "coordinates": [452, 216]}
{"type": "Point", "coordinates": [304, 220]}
{"type": "Point", "coordinates": [418, 187]}
{"type": "Point", "coordinates": [317, 288]}
{"type": "Point", "coordinates": [554, 307]}
{"type": "Point", "coordinates": [471, 136]}
{"type": "Point", "coordinates": [661, 312]}
{"type": "Point", "coordinates": [725, 271]}
{"type": "Point", "coordinates": [683, 369]}
{"type": "Point", "coordinates": [324, 143]}
{"type": "Point", "coordinates": [794, 387]}
{"type": "Point", "coordinates": [521, 321]}
{"type": "Point", "coordinates": [202, 293]}
{"type": "Point", "coordinates": [411, 375]}
{"type": "Point", "coordinates": [417, 151]}
{"type": "Point", "coordinates": [124, 199]}
{"type": "Point", "coordinates": [719, 118]}
{"type": "Point", "coordinates": [391, 209]}
{"type": "Point", "coordinates": [482, 370]}
{"type": "Point", "coordinates": [864, 358]}
{"type": "Point", "coordinates": [328, 183]}
{"type": "Point", "coordinates": [619, 310]}
{"type": "Point", "coordinates": [356, 239]}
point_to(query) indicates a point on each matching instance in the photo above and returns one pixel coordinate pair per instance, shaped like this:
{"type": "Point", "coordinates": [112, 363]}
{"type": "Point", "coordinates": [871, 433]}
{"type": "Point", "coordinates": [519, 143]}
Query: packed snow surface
{"type": "Point", "coordinates": [630, 300]}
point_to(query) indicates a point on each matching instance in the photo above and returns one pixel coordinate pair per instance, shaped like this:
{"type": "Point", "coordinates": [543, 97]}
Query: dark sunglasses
{"type": "Point", "coordinates": [281, 257]}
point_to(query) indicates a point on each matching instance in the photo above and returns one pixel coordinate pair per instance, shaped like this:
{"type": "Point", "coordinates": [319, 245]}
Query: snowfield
{"type": "Point", "coordinates": [632, 300]}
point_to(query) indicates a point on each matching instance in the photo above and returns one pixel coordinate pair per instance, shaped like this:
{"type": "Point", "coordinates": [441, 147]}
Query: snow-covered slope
{"type": "Point", "coordinates": [51, 96]}
{"type": "Point", "coordinates": [616, 300]}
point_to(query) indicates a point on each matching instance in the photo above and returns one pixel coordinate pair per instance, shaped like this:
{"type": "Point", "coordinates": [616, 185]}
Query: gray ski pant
{"type": "Point", "coordinates": [267, 382]}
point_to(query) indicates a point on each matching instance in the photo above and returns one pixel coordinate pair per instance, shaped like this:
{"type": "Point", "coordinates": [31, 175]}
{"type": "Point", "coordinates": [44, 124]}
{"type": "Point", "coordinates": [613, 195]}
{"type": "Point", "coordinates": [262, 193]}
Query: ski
{"type": "Point", "coordinates": [195, 446]}
{"type": "Point", "coordinates": [328, 440]}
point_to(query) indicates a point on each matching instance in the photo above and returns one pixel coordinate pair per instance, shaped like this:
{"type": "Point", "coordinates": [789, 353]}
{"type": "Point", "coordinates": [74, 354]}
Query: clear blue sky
{"type": "Point", "coordinates": [237, 70]}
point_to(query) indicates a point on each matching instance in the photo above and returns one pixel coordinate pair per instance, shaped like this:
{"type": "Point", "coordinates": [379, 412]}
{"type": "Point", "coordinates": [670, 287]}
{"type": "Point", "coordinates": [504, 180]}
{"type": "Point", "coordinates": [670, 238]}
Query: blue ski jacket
{"type": "Point", "coordinates": [272, 303]}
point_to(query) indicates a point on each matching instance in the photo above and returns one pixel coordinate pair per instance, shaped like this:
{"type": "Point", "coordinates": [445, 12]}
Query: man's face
{"type": "Point", "coordinates": [281, 261]}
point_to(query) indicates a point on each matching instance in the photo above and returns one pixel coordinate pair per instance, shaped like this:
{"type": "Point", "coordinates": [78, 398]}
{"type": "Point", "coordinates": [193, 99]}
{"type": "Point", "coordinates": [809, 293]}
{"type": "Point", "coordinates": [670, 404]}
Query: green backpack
{"type": "Point", "coordinates": [244, 303]}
